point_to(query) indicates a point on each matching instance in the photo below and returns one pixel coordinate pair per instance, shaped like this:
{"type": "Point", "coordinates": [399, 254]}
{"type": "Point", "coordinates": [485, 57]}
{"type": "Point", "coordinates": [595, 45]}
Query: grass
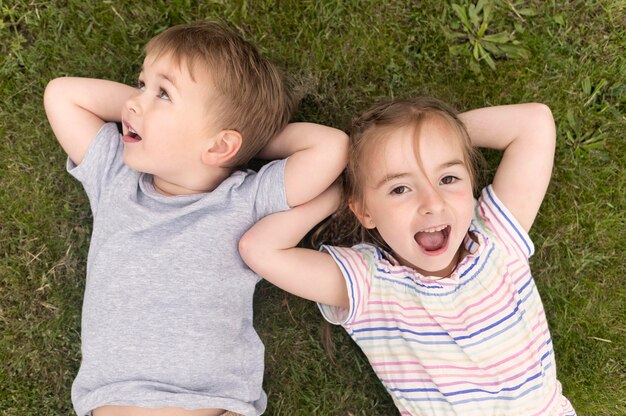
{"type": "Point", "coordinates": [344, 55]}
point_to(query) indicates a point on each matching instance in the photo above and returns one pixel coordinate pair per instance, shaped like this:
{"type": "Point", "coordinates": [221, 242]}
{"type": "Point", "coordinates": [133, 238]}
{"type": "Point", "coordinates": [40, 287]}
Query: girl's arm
{"type": "Point", "coordinates": [269, 248]}
{"type": "Point", "coordinates": [316, 156]}
{"type": "Point", "coordinates": [77, 108]}
{"type": "Point", "coordinates": [527, 136]}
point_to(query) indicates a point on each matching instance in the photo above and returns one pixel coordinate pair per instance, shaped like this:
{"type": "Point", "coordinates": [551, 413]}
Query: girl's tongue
{"type": "Point", "coordinates": [432, 241]}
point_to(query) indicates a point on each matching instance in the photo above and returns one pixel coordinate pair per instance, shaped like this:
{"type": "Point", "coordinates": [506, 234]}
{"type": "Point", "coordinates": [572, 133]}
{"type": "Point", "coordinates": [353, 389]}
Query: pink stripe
{"type": "Point", "coordinates": [487, 307]}
{"type": "Point", "coordinates": [543, 411]}
{"type": "Point", "coordinates": [495, 219]}
{"type": "Point", "coordinates": [352, 260]}
{"type": "Point", "coordinates": [394, 303]}
{"type": "Point", "coordinates": [461, 314]}
{"type": "Point", "coordinates": [414, 323]}
{"type": "Point", "coordinates": [512, 357]}
{"type": "Point", "coordinates": [519, 374]}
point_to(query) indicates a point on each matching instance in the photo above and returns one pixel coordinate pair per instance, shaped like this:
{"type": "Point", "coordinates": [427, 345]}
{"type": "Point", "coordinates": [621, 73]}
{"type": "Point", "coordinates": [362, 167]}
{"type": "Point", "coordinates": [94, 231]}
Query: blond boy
{"type": "Point", "coordinates": [167, 313]}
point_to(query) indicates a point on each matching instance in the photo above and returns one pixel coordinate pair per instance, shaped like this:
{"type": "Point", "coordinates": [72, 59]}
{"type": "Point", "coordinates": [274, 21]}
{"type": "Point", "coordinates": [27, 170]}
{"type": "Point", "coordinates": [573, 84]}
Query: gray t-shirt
{"type": "Point", "coordinates": [167, 312]}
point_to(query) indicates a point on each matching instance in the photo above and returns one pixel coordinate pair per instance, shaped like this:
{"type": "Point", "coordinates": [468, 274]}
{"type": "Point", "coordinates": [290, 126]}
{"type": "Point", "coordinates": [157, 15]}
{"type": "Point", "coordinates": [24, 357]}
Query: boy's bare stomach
{"type": "Point", "coordinates": [165, 411]}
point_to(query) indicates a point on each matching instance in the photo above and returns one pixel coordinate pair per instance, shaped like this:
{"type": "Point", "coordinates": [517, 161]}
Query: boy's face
{"type": "Point", "coordinates": [420, 202]}
{"type": "Point", "coordinates": [167, 124]}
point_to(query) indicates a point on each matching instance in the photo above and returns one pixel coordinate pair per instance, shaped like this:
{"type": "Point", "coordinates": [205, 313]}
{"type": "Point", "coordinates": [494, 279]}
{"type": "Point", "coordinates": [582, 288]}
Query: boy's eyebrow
{"type": "Point", "coordinates": [392, 176]}
{"type": "Point", "coordinates": [164, 76]}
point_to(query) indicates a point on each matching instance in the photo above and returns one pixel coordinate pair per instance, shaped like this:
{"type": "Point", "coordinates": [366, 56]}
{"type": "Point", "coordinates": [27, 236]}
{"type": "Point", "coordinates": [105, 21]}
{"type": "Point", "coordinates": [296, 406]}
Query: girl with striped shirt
{"type": "Point", "coordinates": [444, 305]}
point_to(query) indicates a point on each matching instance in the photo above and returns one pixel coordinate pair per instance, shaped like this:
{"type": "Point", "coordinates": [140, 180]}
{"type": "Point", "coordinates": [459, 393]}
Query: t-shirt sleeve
{"type": "Point", "coordinates": [356, 265]}
{"type": "Point", "coordinates": [502, 225]}
{"type": "Point", "coordinates": [270, 195]}
{"type": "Point", "coordinates": [102, 161]}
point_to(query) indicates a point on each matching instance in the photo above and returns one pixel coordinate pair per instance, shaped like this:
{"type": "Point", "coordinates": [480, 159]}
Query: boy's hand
{"type": "Point", "coordinates": [316, 156]}
{"type": "Point", "coordinates": [77, 108]}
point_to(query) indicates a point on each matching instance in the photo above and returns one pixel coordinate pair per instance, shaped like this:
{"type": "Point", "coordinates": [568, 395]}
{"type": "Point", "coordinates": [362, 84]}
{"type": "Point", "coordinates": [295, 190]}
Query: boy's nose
{"type": "Point", "coordinates": [133, 104]}
{"type": "Point", "coordinates": [430, 201]}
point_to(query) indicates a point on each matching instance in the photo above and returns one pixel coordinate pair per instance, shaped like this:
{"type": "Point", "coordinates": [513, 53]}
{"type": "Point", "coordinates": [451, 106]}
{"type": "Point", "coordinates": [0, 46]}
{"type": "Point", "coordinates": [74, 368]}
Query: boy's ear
{"type": "Point", "coordinates": [361, 214]}
{"type": "Point", "coordinates": [222, 148]}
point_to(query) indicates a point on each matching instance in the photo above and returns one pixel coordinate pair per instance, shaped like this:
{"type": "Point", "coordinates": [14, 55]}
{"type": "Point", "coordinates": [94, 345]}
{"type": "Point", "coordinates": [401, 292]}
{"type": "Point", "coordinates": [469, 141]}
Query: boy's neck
{"type": "Point", "coordinates": [196, 186]}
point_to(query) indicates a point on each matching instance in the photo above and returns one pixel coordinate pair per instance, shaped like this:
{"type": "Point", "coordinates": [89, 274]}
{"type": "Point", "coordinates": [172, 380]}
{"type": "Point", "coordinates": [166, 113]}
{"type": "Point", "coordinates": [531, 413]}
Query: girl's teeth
{"type": "Point", "coordinates": [434, 230]}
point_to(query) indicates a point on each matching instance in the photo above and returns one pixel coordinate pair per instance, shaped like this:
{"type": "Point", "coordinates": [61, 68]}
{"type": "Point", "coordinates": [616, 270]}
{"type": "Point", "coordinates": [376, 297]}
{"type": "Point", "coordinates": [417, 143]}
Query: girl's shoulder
{"type": "Point", "coordinates": [493, 218]}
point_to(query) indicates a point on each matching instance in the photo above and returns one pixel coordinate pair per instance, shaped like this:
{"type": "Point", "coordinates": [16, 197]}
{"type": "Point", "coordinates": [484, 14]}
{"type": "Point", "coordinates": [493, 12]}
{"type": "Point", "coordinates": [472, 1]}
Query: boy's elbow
{"type": "Point", "coordinates": [343, 143]}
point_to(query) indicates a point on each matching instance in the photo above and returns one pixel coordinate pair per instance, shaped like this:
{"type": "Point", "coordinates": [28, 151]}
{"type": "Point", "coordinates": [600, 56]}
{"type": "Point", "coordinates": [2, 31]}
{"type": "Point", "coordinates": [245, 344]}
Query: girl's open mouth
{"type": "Point", "coordinates": [434, 239]}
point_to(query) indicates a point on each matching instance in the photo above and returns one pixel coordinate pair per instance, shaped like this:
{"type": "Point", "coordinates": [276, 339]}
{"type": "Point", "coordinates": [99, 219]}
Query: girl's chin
{"type": "Point", "coordinates": [437, 267]}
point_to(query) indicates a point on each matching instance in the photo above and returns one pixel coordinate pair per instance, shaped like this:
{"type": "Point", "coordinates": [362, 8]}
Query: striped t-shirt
{"type": "Point", "coordinates": [474, 343]}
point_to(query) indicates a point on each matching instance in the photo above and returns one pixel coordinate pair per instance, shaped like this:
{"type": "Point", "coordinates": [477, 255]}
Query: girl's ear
{"type": "Point", "coordinates": [360, 211]}
{"type": "Point", "coordinates": [222, 148]}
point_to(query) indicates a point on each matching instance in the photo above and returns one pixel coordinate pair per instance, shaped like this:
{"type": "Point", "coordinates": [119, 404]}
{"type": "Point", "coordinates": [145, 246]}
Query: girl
{"type": "Point", "coordinates": [444, 306]}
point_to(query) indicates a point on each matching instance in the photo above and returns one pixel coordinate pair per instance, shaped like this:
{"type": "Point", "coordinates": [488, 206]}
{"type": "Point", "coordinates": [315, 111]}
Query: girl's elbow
{"type": "Point", "coordinates": [542, 114]}
{"type": "Point", "coordinates": [248, 248]}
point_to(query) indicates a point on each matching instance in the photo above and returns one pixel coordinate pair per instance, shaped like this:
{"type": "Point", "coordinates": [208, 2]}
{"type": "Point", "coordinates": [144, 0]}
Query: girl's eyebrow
{"type": "Point", "coordinates": [399, 175]}
{"type": "Point", "coordinates": [390, 177]}
{"type": "Point", "coordinates": [451, 163]}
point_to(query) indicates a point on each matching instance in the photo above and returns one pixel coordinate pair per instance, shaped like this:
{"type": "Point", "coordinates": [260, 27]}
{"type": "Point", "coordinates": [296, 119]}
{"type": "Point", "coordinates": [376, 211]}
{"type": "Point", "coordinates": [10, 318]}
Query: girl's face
{"type": "Point", "coordinates": [420, 200]}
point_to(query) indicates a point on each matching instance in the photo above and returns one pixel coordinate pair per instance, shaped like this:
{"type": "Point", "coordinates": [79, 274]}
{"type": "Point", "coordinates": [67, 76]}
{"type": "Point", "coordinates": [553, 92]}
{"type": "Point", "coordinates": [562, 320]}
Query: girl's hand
{"type": "Point", "coordinates": [527, 135]}
{"type": "Point", "coordinates": [269, 248]}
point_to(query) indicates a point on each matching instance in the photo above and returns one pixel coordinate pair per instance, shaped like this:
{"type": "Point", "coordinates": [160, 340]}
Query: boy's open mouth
{"type": "Point", "coordinates": [433, 239]}
{"type": "Point", "coordinates": [131, 136]}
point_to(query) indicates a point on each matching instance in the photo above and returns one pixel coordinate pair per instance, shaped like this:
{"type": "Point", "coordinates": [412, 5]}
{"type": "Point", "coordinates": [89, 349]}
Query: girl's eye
{"type": "Point", "coordinates": [163, 94]}
{"type": "Point", "coordinates": [399, 190]}
{"type": "Point", "coordinates": [141, 85]}
{"type": "Point", "coordinates": [447, 180]}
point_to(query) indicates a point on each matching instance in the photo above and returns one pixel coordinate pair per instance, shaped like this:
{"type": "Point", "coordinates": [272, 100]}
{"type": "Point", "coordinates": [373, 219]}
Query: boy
{"type": "Point", "coordinates": [167, 312]}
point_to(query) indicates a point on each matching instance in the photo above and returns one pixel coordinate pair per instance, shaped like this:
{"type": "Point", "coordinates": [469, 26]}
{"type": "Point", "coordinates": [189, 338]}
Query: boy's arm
{"type": "Point", "coordinates": [527, 135]}
{"type": "Point", "coordinates": [316, 156]}
{"type": "Point", "coordinates": [269, 248]}
{"type": "Point", "coordinates": [77, 108]}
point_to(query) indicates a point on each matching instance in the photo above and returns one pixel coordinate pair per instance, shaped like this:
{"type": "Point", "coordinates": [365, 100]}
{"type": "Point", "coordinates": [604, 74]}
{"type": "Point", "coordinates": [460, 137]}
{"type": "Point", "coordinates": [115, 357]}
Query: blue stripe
{"type": "Point", "coordinates": [395, 328]}
{"type": "Point", "coordinates": [399, 337]}
{"type": "Point", "coordinates": [480, 331]}
{"type": "Point", "coordinates": [530, 279]}
{"type": "Point", "coordinates": [455, 393]}
{"type": "Point", "coordinates": [456, 288]}
{"type": "Point", "coordinates": [446, 333]}
{"type": "Point", "coordinates": [495, 334]}
{"type": "Point", "coordinates": [349, 279]}
{"type": "Point", "coordinates": [465, 401]}
{"type": "Point", "coordinates": [491, 198]}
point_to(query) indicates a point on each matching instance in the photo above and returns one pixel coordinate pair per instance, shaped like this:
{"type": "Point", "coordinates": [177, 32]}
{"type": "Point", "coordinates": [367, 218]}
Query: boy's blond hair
{"type": "Point", "coordinates": [252, 96]}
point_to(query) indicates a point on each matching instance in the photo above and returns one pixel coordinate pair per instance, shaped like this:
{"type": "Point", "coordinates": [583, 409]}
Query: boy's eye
{"type": "Point", "coordinates": [447, 180]}
{"type": "Point", "coordinates": [399, 190]}
{"type": "Point", "coordinates": [163, 94]}
{"type": "Point", "coordinates": [141, 85]}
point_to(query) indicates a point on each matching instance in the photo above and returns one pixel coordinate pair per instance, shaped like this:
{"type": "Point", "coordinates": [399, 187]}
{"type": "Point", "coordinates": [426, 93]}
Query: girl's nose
{"type": "Point", "coordinates": [430, 201]}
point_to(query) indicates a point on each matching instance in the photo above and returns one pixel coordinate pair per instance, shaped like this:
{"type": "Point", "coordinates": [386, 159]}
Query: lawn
{"type": "Point", "coordinates": [342, 56]}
